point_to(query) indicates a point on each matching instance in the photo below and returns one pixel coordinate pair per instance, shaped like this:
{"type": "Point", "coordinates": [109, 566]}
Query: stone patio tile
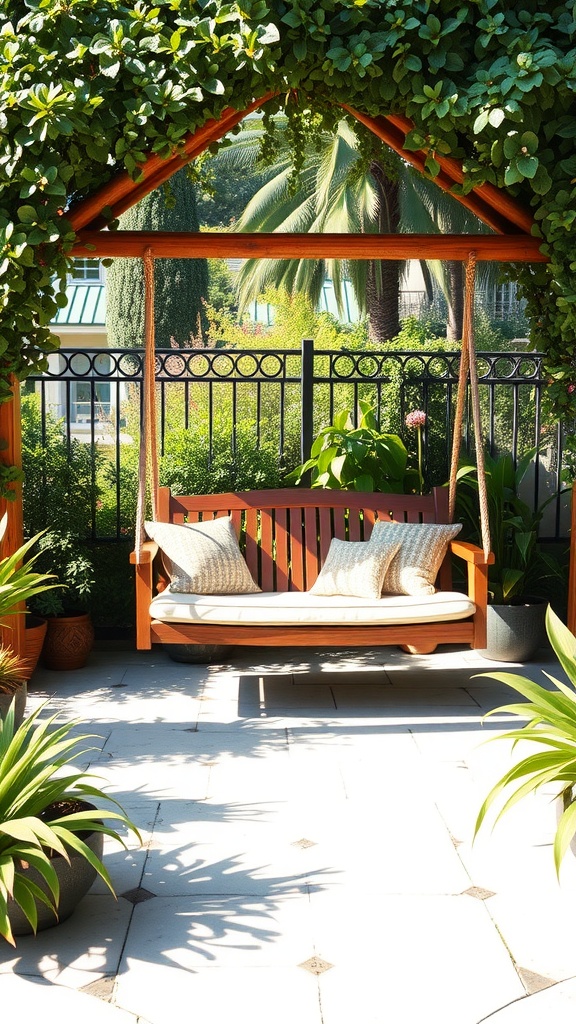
{"type": "Point", "coordinates": [125, 867]}
{"type": "Point", "coordinates": [189, 933]}
{"type": "Point", "coordinates": [24, 999]}
{"type": "Point", "coordinates": [232, 865]}
{"type": "Point", "coordinates": [219, 995]}
{"type": "Point", "coordinates": [556, 1004]}
{"type": "Point", "coordinates": [409, 959]}
{"type": "Point", "coordinates": [83, 949]}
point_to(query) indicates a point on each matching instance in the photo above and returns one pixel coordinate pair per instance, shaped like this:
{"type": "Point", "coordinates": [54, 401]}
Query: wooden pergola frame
{"type": "Point", "coordinates": [510, 221]}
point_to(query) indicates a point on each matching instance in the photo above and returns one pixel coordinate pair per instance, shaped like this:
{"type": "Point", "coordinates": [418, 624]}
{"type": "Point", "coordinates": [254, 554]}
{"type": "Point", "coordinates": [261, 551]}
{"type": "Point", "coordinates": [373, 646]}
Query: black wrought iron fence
{"type": "Point", "coordinates": [239, 418]}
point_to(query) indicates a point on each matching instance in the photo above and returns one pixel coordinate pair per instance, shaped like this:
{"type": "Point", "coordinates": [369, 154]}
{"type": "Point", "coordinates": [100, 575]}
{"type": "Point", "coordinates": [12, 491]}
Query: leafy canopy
{"type": "Point", "coordinates": [90, 86]}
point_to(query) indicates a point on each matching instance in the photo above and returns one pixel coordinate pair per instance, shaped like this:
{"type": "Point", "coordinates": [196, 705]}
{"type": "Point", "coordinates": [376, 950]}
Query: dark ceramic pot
{"type": "Point", "coordinates": [75, 879]}
{"type": "Point", "coordinates": [515, 632]}
{"type": "Point", "coordinates": [198, 654]}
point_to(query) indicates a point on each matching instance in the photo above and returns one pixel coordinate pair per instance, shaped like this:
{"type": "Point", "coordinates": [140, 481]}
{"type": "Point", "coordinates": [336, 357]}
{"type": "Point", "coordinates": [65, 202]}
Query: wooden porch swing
{"type": "Point", "coordinates": [512, 242]}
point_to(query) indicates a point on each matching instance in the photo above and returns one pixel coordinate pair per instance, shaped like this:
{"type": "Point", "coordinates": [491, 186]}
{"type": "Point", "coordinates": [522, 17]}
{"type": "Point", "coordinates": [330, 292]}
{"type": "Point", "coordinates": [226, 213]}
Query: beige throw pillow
{"type": "Point", "coordinates": [203, 558]}
{"type": "Point", "coordinates": [354, 569]}
{"type": "Point", "coordinates": [414, 568]}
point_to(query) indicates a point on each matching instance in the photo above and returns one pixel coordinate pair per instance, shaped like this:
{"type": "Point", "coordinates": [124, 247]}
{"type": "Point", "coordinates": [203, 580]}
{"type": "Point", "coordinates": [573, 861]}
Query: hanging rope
{"type": "Point", "coordinates": [148, 454]}
{"type": "Point", "coordinates": [468, 372]}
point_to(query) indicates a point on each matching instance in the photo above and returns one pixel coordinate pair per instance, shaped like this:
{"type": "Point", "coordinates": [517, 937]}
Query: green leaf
{"type": "Point", "coordinates": [27, 215]}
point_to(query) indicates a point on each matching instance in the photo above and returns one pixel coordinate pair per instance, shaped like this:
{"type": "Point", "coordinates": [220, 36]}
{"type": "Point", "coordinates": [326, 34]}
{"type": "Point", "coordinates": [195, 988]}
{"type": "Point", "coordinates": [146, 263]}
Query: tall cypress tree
{"type": "Point", "coordinates": [179, 284]}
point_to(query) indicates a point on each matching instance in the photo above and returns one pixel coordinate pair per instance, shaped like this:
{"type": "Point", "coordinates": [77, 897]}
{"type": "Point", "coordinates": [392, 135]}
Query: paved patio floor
{"type": "Point", "coordinates": [307, 821]}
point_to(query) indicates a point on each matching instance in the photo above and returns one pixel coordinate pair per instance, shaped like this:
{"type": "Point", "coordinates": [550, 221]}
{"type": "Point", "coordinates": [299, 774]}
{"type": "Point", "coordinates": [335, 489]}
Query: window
{"type": "Point", "coordinates": [86, 270]}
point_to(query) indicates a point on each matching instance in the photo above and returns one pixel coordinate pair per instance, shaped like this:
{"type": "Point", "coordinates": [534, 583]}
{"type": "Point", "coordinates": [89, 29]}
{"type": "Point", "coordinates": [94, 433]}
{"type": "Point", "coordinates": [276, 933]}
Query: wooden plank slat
{"type": "Point", "coordinates": [325, 533]}
{"type": "Point", "coordinates": [297, 556]}
{"type": "Point", "coordinates": [282, 548]}
{"type": "Point", "coordinates": [251, 549]}
{"type": "Point", "coordinates": [312, 555]}
{"type": "Point", "coordinates": [266, 550]}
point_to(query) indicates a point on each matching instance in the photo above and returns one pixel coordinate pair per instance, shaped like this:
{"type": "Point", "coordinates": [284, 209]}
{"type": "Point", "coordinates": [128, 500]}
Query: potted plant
{"type": "Point", "coordinates": [70, 633]}
{"type": "Point", "coordinates": [551, 728]}
{"type": "Point", "coordinates": [51, 834]}
{"type": "Point", "coordinates": [61, 490]}
{"type": "Point", "coordinates": [19, 583]}
{"type": "Point", "coordinates": [522, 575]}
{"type": "Point", "coordinates": [362, 458]}
{"type": "Point", "coordinates": [13, 679]}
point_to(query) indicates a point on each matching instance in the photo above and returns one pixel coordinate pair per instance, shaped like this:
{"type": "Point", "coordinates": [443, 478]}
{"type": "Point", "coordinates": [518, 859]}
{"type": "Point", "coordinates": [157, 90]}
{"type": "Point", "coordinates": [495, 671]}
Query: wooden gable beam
{"type": "Point", "coordinates": [283, 245]}
{"type": "Point", "coordinates": [493, 206]}
{"type": "Point", "coordinates": [122, 192]}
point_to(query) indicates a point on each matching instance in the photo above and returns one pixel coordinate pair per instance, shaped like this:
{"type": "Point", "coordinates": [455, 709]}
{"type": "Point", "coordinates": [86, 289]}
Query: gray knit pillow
{"type": "Point", "coordinates": [203, 558]}
{"type": "Point", "coordinates": [414, 568]}
{"type": "Point", "coordinates": [354, 569]}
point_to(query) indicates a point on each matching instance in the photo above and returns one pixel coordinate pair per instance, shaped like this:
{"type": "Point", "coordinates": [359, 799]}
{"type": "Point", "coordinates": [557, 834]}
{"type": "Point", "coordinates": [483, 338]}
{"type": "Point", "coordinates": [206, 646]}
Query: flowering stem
{"type": "Point", "coordinates": [420, 474]}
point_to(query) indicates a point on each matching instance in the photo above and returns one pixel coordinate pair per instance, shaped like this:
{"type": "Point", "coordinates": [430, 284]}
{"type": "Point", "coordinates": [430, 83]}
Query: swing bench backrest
{"type": "Point", "coordinates": [285, 534]}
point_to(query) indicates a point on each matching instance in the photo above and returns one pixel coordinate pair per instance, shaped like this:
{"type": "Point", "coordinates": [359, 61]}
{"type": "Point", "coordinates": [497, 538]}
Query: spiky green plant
{"type": "Point", "coordinates": [12, 670]}
{"type": "Point", "coordinates": [32, 829]}
{"type": "Point", "coordinates": [18, 581]}
{"type": "Point", "coordinates": [551, 726]}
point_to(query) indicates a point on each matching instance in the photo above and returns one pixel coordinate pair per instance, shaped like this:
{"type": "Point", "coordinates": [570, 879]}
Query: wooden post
{"type": "Point", "coordinates": [12, 631]}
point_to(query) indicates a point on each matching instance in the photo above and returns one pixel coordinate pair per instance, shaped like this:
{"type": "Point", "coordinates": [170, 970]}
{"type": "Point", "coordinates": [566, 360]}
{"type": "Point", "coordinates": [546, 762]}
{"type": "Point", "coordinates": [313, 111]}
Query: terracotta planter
{"type": "Point", "coordinates": [34, 635]}
{"type": "Point", "coordinates": [69, 640]}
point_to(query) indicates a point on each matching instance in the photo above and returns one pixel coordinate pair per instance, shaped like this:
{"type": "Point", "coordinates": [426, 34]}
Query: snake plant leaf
{"type": "Point", "coordinates": [564, 834]}
{"type": "Point", "coordinates": [80, 846]}
{"type": "Point", "coordinates": [563, 642]}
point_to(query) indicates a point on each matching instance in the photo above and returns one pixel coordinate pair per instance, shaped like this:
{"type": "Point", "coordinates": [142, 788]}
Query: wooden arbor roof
{"type": "Point", "coordinates": [510, 220]}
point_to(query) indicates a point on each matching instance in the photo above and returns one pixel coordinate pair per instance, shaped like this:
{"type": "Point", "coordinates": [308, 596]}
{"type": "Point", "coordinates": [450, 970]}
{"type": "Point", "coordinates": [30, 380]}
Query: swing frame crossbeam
{"type": "Point", "coordinates": [518, 248]}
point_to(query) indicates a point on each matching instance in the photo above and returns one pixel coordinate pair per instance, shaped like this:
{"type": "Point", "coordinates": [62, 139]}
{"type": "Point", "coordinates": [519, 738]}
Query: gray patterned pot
{"type": "Point", "coordinates": [75, 879]}
{"type": "Point", "coordinates": [515, 631]}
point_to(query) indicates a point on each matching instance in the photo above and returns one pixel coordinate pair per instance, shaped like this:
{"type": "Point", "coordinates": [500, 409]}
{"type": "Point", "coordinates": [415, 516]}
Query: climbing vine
{"type": "Point", "coordinates": [88, 87]}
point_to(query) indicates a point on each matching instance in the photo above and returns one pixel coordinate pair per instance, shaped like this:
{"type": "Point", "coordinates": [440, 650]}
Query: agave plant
{"type": "Point", "coordinates": [43, 813]}
{"type": "Point", "coordinates": [551, 726]}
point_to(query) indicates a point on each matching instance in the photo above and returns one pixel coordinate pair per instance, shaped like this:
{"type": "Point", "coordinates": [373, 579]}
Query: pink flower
{"type": "Point", "coordinates": [416, 418]}
{"type": "Point", "coordinates": [571, 388]}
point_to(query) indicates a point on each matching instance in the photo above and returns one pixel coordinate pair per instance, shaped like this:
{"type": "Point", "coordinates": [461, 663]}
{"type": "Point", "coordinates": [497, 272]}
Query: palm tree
{"type": "Point", "coordinates": [432, 211]}
{"type": "Point", "coordinates": [339, 190]}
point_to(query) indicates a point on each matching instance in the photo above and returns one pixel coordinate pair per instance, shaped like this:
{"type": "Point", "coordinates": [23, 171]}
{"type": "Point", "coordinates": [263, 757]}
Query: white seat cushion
{"type": "Point", "coordinates": [275, 609]}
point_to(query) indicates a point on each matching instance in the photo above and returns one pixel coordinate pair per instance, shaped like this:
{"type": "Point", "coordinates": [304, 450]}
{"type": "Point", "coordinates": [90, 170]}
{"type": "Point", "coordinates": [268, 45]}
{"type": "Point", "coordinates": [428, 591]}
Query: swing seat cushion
{"type": "Point", "coordinates": [297, 609]}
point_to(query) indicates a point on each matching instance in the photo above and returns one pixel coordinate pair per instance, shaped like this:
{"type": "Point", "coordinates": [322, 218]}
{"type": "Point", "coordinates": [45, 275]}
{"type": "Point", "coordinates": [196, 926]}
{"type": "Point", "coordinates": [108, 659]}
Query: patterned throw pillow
{"type": "Point", "coordinates": [414, 568]}
{"type": "Point", "coordinates": [354, 569]}
{"type": "Point", "coordinates": [203, 558]}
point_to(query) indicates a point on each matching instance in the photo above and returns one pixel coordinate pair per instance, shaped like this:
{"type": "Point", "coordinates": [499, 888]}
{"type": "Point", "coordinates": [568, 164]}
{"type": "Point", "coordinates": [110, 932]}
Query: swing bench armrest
{"type": "Point", "coordinates": [147, 554]}
{"type": "Point", "coordinates": [144, 591]}
{"type": "Point", "coordinates": [470, 552]}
